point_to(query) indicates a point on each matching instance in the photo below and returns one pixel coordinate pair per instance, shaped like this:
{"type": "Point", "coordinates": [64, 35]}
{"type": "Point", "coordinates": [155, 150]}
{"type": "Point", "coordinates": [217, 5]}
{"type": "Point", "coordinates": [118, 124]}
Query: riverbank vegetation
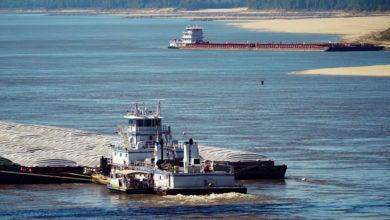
{"type": "Point", "coordinates": [321, 5]}
{"type": "Point", "coordinates": [309, 5]}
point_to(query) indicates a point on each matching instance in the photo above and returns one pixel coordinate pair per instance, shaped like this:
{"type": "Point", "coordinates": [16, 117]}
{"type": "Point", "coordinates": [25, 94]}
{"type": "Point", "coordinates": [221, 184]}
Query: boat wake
{"type": "Point", "coordinates": [212, 199]}
{"type": "Point", "coordinates": [330, 182]}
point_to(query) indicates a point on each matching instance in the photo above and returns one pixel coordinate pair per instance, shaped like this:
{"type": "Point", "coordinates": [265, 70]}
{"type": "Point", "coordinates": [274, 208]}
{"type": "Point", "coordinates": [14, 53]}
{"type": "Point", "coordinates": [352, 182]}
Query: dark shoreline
{"type": "Point", "coordinates": [217, 14]}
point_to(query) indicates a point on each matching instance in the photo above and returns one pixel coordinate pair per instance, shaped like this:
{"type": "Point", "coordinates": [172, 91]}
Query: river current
{"type": "Point", "coordinates": [81, 72]}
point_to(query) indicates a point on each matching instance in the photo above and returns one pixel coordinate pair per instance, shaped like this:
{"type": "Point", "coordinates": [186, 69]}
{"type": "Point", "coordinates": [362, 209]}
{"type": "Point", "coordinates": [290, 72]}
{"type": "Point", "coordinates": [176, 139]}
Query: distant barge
{"type": "Point", "coordinates": [192, 39]}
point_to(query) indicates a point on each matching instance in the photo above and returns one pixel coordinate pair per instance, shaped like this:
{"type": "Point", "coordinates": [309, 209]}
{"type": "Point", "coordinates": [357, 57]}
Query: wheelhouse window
{"type": "Point", "coordinates": [148, 123]}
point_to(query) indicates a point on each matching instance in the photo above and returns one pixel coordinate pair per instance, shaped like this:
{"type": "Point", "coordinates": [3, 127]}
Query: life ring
{"type": "Point", "coordinates": [206, 168]}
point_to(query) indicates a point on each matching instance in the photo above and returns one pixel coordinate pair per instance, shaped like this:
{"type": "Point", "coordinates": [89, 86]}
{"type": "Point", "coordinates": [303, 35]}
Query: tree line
{"type": "Point", "coordinates": [121, 4]}
{"type": "Point", "coordinates": [310, 5]}
{"type": "Point", "coordinates": [321, 5]}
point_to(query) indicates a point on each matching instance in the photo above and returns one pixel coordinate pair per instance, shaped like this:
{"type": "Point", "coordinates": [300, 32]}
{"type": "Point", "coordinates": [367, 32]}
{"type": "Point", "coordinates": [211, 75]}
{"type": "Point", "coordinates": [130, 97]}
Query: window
{"type": "Point", "coordinates": [148, 123]}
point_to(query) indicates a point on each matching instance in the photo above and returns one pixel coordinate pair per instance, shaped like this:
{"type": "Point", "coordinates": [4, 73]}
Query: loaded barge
{"type": "Point", "coordinates": [192, 39]}
{"type": "Point", "coordinates": [47, 154]}
{"type": "Point", "coordinates": [31, 154]}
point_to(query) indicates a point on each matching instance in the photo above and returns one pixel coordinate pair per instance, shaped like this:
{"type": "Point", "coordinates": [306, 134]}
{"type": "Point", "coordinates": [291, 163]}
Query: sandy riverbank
{"type": "Point", "coordinates": [378, 70]}
{"type": "Point", "coordinates": [351, 28]}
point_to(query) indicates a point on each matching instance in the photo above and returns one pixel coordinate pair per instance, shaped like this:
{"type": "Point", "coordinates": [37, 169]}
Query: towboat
{"type": "Point", "coordinates": [145, 128]}
{"type": "Point", "coordinates": [165, 175]}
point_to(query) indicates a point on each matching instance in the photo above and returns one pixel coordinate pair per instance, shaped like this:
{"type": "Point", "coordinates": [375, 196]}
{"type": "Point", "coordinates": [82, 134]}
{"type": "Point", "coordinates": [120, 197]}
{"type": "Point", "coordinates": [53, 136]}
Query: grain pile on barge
{"type": "Point", "coordinates": [47, 154]}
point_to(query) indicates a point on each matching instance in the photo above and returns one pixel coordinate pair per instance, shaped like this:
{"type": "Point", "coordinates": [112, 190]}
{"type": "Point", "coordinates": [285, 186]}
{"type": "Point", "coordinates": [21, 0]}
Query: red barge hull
{"type": "Point", "coordinates": [280, 46]}
{"type": "Point", "coordinates": [250, 46]}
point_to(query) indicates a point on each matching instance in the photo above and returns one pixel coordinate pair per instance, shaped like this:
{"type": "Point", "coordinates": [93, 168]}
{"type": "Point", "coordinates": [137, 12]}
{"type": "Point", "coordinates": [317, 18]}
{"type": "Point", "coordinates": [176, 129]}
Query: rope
{"type": "Point", "coordinates": [49, 176]}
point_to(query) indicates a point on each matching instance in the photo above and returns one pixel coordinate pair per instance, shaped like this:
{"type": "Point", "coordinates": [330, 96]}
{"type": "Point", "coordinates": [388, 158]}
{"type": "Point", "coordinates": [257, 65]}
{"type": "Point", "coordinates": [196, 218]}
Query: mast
{"type": "Point", "coordinates": [158, 109]}
{"type": "Point", "coordinates": [136, 109]}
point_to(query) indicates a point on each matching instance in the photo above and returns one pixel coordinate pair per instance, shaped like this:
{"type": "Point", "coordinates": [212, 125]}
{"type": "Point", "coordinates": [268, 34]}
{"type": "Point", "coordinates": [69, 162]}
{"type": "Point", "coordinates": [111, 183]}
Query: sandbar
{"type": "Point", "coordinates": [377, 70]}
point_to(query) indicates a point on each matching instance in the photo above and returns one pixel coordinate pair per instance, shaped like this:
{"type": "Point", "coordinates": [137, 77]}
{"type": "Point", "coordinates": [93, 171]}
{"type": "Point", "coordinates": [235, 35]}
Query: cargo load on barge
{"type": "Point", "coordinates": [35, 154]}
{"type": "Point", "coordinates": [192, 39]}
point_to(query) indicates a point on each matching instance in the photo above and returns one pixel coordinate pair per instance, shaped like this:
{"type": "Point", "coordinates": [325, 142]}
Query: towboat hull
{"type": "Point", "coordinates": [131, 190]}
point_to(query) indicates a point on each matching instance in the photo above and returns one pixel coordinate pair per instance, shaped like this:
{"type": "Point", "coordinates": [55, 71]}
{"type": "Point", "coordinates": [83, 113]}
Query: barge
{"type": "Point", "coordinates": [35, 154]}
{"type": "Point", "coordinates": [48, 154]}
{"type": "Point", "coordinates": [12, 173]}
{"type": "Point", "coordinates": [192, 39]}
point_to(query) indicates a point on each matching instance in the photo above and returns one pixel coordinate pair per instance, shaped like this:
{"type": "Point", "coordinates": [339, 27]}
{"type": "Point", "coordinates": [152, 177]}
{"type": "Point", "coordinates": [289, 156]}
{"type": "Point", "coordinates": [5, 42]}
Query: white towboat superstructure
{"type": "Point", "coordinates": [167, 177]}
{"type": "Point", "coordinates": [192, 176]}
{"type": "Point", "coordinates": [191, 35]}
{"type": "Point", "coordinates": [138, 138]}
{"type": "Point", "coordinates": [147, 158]}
